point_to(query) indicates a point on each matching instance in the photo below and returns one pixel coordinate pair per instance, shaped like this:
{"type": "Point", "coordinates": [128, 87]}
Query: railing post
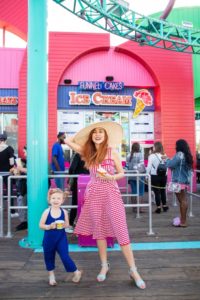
{"type": "Point", "coordinates": [174, 202]}
{"type": "Point", "coordinates": [9, 235]}
{"type": "Point", "coordinates": [150, 206]}
{"type": "Point", "coordinates": [190, 214]}
{"type": "Point", "coordinates": [138, 196]}
{"type": "Point", "coordinates": [1, 206]}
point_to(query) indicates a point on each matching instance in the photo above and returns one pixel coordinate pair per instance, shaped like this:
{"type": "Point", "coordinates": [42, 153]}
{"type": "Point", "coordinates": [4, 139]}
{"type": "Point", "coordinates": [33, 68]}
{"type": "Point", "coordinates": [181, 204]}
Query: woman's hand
{"type": "Point", "coordinates": [164, 156]}
{"type": "Point", "coordinates": [69, 141]}
{"type": "Point", "coordinates": [106, 176]}
{"type": "Point", "coordinates": [21, 169]}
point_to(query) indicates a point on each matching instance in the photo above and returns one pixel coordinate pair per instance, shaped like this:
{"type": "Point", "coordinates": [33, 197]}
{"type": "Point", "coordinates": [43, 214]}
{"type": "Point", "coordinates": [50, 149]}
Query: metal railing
{"type": "Point", "coordinates": [1, 206]}
{"type": "Point", "coordinates": [9, 207]}
{"type": "Point", "coordinates": [125, 196]}
{"type": "Point", "coordinates": [137, 205]}
{"type": "Point", "coordinates": [191, 194]}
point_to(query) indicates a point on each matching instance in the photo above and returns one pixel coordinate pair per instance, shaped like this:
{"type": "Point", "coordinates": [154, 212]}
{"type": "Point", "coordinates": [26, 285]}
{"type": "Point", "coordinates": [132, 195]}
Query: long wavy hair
{"type": "Point", "coordinates": [182, 145]}
{"type": "Point", "coordinates": [158, 148]}
{"type": "Point", "coordinates": [134, 149]}
{"type": "Point", "coordinates": [90, 154]}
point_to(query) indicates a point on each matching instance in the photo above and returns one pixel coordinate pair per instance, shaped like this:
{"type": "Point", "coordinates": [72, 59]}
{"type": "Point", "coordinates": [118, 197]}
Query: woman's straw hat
{"type": "Point", "coordinates": [113, 129]}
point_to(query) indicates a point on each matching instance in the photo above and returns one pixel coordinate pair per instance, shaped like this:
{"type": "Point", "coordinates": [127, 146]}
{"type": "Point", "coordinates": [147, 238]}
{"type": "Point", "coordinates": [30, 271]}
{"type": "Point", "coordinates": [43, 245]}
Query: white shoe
{"type": "Point", "coordinates": [69, 229]}
{"type": "Point", "coordinates": [14, 215]}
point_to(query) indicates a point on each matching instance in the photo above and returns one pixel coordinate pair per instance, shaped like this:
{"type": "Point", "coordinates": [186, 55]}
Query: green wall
{"type": "Point", "coordinates": [191, 14]}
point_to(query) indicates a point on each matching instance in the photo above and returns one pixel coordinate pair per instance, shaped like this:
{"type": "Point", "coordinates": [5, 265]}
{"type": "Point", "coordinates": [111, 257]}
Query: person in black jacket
{"type": "Point", "coordinates": [76, 167]}
{"type": "Point", "coordinates": [7, 160]}
{"type": "Point", "coordinates": [21, 169]}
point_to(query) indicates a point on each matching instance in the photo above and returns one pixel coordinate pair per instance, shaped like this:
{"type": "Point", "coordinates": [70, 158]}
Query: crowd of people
{"type": "Point", "coordinates": [102, 215]}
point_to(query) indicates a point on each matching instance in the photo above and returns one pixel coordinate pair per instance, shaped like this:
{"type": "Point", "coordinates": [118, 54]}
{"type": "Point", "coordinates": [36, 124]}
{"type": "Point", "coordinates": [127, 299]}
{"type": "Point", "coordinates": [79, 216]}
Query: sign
{"type": "Point", "coordinates": [70, 122]}
{"type": "Point", "coordinates": [100, 86]}
{"type": "Point", "coordinates": [99, 99]}
{"type": "Point", "coordinates": [8, 100]}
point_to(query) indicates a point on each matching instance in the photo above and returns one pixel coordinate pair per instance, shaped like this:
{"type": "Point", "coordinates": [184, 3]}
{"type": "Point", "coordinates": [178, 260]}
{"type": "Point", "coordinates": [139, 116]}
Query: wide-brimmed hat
{"type": "Point", "coordinates": [113, 129]}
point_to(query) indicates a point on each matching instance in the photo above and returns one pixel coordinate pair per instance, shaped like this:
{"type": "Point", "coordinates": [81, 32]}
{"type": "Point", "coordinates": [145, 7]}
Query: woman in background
{"type": "Point", "coordinates": [181, 167]}
{"type": "Point", "coordinates": [134, 161]}
{"type": "Point", "coordinates": [158, 182]}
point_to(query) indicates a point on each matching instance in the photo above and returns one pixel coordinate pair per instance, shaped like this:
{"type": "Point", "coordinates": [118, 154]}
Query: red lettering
{"type": "Point", "coordinates": [8, 100]}
{"type": "Point", "coordinates": [79, 99]}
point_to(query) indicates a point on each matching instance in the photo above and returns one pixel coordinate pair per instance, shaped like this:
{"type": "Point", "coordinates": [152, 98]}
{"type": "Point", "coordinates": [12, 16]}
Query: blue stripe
{"type": "Point", "coordinates": [140, 246]}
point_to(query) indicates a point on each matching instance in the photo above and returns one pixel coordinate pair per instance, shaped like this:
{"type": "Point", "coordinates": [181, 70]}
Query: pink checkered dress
{"type": "Point", "coordinates": [103, 213]}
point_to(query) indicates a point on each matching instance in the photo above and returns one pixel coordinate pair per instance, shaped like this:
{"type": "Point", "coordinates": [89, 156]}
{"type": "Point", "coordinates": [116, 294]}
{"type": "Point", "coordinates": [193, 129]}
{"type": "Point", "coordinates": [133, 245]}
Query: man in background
{"type": "Point", "coordinates": [58, 161]}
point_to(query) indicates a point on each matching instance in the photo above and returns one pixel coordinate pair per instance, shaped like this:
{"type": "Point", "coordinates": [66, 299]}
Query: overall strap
{"type": "Point", "coordinates": [62, 213]}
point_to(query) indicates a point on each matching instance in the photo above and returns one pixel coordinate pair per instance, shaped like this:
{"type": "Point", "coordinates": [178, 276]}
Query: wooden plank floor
{"type": "Point", "coordinates": [169, 274]}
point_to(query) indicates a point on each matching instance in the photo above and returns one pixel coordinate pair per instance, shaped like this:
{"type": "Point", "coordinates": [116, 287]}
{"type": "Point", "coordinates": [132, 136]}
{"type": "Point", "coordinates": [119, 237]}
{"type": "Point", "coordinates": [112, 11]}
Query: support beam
{"type": "Point", "coordinates": [37, 120]}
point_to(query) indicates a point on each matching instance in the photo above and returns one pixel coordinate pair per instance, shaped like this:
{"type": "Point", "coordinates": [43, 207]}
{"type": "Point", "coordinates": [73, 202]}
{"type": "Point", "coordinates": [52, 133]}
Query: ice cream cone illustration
{"type": "Point", "coordinates": [139, 107]}
{"type": "Point", "coordinates": [143, 98]}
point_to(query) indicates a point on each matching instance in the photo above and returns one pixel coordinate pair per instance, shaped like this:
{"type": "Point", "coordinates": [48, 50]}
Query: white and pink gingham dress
{"type": "Point", "coordinates": [103, 213]}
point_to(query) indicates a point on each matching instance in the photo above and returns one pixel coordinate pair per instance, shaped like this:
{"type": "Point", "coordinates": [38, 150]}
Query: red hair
{"type": "Point", "coordinates": [90, 154]}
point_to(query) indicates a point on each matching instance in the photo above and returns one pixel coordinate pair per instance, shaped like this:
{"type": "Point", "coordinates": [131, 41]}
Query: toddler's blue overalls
{"type": "Point", "coordinates": [55, 240]}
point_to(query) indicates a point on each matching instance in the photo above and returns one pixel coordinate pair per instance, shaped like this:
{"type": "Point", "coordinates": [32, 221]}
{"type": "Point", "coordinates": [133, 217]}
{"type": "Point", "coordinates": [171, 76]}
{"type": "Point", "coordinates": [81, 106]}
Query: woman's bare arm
{"type": "Point", "coordinates": [69, 141]}
{"type": "Point", "coordinates": [118, 165]}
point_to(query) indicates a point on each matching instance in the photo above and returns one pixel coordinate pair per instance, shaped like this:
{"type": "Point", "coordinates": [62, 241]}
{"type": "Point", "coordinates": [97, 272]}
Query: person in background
{"type": "Point", "coordinates": [103, 214]}
{"type": "Point", "coordinates": [181, 167]}
{"type": "Point", "coordinates": [76, 167]}
{"type": "Point", "coordinates": [198, 166]}
{"type": "Point", "coordinates": [21, 184]}
{"type": "Point", "coordinates": [133, 160]}
{"type": "Point", "coordinates": [158, 182]}
{"type": "Point", "coordinates": [7, 160]}
{"type": "Point", "coordinates": [58, 161]}
{"type": "Point", "coordinates": [53, 221]}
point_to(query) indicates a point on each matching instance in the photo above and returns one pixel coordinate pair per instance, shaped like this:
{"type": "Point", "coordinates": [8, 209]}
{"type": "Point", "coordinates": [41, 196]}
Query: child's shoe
{"type": "Point", "coordinates": [52, 280]}
{"type": "Point", "coordinates": [77, 276]}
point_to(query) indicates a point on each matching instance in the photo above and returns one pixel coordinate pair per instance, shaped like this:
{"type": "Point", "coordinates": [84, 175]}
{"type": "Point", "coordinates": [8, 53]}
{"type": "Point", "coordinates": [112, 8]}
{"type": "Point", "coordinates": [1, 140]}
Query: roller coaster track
{"type": "Point", "coordinates": [115, 17]}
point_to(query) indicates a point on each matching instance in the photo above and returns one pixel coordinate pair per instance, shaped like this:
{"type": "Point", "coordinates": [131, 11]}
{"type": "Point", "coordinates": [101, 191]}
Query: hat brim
{"type": "Point", "coordinates": [113, 129]}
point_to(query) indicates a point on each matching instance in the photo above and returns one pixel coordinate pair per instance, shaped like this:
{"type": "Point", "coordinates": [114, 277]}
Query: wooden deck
{"type": "Point", "coordinates": [169, 274]}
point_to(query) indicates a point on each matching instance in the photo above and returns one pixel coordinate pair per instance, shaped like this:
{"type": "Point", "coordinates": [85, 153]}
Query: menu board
{"type": "Point", "coordinates": [138, 129]}
{"type": "Point", "coordinates": [70, 121]}
{"type": "Point", "coordinates": [142, 127]}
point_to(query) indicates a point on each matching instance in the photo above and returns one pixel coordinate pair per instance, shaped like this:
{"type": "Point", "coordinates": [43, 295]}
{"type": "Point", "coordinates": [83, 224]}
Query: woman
{"type": "Point", "coordinates": [181, 167]}
{"type": "Point", "coordinates": [158, 182]}
{"type": "Point", "coordinates": [133, 161]}
{"type": "Point", "coordinates": [103, 213]}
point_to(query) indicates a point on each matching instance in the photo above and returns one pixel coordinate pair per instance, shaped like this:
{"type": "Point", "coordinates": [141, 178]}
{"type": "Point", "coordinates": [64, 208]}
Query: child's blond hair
{"type": "Point", "coordinates": [52, 191]}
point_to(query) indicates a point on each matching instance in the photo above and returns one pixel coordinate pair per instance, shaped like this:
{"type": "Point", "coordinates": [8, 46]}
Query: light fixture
{"type": "Point", "coordinates": [109, 78]}
{"type": "Point", "coordinates": [67, 81]}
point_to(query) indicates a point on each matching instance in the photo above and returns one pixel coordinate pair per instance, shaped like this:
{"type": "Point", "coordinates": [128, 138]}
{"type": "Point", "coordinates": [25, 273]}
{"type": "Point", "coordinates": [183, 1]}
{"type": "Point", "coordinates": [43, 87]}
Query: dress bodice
{"type": "Point", "coordinates": [107, 164]}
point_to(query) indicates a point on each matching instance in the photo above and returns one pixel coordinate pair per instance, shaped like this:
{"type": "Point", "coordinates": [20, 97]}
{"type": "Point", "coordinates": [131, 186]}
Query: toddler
{"type": "Point", "coordinates": [54, 220]}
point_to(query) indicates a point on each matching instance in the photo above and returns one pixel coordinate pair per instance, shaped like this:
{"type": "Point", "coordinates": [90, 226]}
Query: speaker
{"type": "Point", "coordinates": [109, 78]}
{"type": "Point", "coordinates": [67, 81]}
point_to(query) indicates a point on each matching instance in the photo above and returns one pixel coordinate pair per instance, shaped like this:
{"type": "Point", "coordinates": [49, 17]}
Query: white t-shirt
{"type": "Point", "coordinates": [154, 160]}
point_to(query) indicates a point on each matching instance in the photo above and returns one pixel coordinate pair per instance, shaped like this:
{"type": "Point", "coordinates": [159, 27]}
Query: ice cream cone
{"type": "Point", "coordinates": [138, 108]}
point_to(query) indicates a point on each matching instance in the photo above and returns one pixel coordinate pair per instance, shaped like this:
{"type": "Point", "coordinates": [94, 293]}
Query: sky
{"type": "Point", "coordinates": [59, 19]}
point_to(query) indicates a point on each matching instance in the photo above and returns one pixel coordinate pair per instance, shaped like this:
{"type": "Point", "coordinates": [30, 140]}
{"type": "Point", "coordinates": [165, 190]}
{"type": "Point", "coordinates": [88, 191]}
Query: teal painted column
{"type": "Point", "coordinates": [37, 120]}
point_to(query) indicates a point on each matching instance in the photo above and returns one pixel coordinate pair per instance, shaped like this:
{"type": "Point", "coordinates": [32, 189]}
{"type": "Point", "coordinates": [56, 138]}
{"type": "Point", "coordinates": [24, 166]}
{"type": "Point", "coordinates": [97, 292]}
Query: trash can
{"type": "Point", "coordinates": [86, 241]}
